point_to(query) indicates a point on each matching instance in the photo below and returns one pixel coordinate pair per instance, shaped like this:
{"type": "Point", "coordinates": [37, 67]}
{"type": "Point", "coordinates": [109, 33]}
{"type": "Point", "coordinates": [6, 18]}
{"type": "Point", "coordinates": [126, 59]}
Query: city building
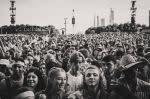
{"type": "Point", "coordinates": [97, 21]}
{"type": "Point", "coordinates": [102, 21]}
{"type": "Point", "coordinates": [111, 17]}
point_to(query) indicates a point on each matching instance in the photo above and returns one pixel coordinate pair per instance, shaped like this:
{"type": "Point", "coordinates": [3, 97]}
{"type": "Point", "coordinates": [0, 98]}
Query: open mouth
{"type": "Point", "coordinates": [31, 83]}
{"type": "Point", "coordinates": [91, 81]}
{"type": "Point", "coordinates": [61, 86]}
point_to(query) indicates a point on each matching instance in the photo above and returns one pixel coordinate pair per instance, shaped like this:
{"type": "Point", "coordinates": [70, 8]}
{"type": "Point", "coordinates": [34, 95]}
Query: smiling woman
{"type": "Point", "coordinates": [57, 84]}
{"type": "Point", "coordinates": [34, 80]}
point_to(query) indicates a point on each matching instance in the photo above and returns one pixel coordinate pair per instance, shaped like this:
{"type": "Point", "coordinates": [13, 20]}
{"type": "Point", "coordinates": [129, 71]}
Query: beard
{"type": "Point", "coordinates": [17, 76]}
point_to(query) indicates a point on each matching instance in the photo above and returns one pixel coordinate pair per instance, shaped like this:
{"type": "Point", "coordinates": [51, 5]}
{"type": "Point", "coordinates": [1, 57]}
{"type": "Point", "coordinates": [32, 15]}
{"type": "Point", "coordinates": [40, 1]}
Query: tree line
{"type": "Point", "coordinates": [28, 29]}
{"type": "Point", "coordinates": [126, 27]}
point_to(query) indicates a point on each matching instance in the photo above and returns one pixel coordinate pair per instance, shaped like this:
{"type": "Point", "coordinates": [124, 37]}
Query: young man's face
{"type": "Point", "coordinates": [92, 77]}
{"type": "Point", "coordinates": [18, 69]}
{"type": "Point", "coordinates": [109, 66]}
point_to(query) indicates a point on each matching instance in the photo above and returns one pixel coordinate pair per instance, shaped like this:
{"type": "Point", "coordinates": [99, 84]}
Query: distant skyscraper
{"type": "Point", "coordinates": [102, 22]}
{"type": "Point", "coordinates": [94, 21]}
{"type": "Point", "coordinates": [97, 21]}
{"type": "Point", "coordinates": [111, 17]}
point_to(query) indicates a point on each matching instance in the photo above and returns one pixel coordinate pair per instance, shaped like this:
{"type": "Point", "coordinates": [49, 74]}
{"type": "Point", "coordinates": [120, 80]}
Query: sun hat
{"type": "Point", "coordinates": [128, 62]}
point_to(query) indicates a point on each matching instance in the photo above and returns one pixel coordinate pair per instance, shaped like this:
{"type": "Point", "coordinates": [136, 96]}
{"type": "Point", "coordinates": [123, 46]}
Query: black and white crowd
{"type": "Point", "coordinates": [99, 66]}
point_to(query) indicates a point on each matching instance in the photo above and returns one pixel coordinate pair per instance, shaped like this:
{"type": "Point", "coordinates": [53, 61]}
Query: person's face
{"type": "Point", "coordinates": [92, 77]}
{"type": "Point", "coordinates": [59, 81]}
{"type": "Point", "coordinates": [17, 69]}
{"type": "Point", "coordinates": [59, 54]}
{"type": "Point", "coordinates": [42, 69]}
{"type": "Point", "coordinates": [99, 55]}
{"type": "Point", "coordinates": [109, 66]}
{"type": "Point", "coordinates": [32, 79]}
{"type": "Point", "coordinates": [30, 59]}
{"type": "Point", "coordinates": [77, 64]}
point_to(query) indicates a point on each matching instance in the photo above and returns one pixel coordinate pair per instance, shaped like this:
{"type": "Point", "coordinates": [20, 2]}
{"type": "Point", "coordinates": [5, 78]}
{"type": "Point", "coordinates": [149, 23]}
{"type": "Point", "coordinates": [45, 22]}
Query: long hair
{"type": "Point", "coordinates": [40, 85]}
{"type": "Point", "coordinates": [75, 56]}
{"type": "Point", "coordinates": [101, 85]}
{"type": "Point", "coordinates": [51, 76]}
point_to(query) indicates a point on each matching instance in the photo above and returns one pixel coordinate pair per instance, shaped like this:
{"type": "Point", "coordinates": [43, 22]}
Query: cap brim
{"type": "Point", "coordinates": [132, 65]}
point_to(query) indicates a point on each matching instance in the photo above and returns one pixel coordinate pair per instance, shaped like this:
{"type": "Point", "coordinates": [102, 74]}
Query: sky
{"type": "Point", "coordinates": [53, 12]}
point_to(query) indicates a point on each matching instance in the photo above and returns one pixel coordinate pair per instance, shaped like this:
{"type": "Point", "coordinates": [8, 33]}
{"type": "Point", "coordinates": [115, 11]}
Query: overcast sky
{"type": "Point", "coordinates": [53, 12]}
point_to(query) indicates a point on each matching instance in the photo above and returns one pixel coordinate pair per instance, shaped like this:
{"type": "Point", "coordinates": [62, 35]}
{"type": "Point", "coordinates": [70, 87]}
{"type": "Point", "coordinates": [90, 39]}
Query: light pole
{"type": "Point", "coordinates": [133, 12]}
{"type": "Point", "coordinates": [73, 20]}
{"type": "Point", "coordinates": [65, 25]}
{"type": "Point", "coordinates": [12, 12]}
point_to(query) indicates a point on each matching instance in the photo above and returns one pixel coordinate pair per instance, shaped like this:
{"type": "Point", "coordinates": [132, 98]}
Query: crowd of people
{"type": "Point", "coordinates": [109, 65]}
